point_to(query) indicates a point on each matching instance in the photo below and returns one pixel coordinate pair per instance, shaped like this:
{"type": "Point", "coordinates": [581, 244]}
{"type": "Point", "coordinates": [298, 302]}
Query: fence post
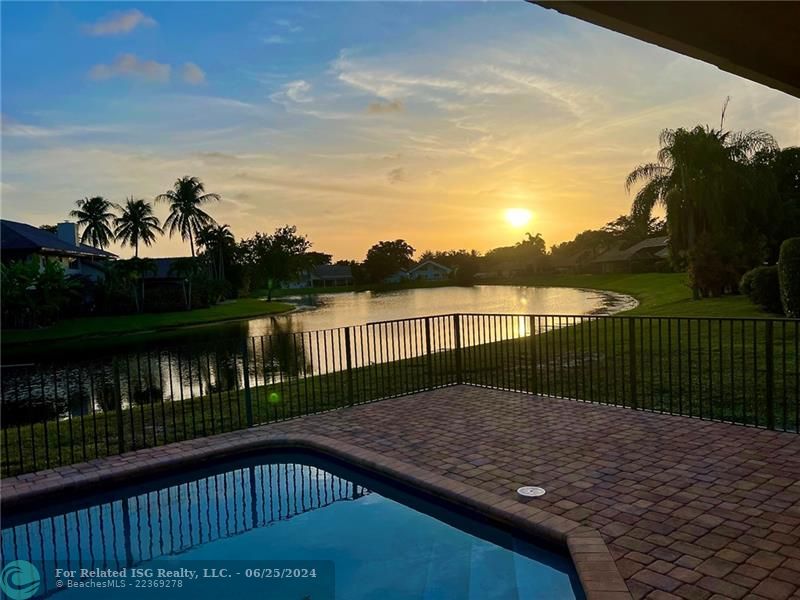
{"type": "Point", "coordinates": [533, 378]}
{"type": "Point", "coordinates": [248, 398]}
{"type": "Point", "coordinates": [770, 366]}
{"type": "Point", "coordinates": [457, 343]}
{"type": "Point", "coordinates": [349, 359]}
{"type": "Point", "coordinates": [632, 361]}
{"type": "Point", "coordinates": [118, 402]}
{"type": "Point", "coordinates": [428, 358]}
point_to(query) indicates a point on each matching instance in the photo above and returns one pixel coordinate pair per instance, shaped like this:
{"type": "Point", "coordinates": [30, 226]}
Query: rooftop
{"type": "Point", "coordinates": [656, 244]}
{"type": "Point", "coordinates": [22, 237]}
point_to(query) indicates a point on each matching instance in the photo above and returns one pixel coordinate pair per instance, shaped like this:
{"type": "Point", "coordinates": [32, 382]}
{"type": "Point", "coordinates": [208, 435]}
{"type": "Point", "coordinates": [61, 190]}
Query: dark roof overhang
{"type": "Point", "coordinates": [759, 41]}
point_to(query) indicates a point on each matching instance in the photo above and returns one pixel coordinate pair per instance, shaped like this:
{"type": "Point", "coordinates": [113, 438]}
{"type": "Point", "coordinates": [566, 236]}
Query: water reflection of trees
{"type": "Point", "coordinates": [39, 393]}
{"type": "Point", "coordinates": [284, 351]}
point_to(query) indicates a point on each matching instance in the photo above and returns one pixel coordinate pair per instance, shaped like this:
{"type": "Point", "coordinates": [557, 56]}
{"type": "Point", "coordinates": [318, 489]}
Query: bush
{"type": "Point", "coordinates": [789, 276]}
{"type": "Point", "coordinates": [762, 287]}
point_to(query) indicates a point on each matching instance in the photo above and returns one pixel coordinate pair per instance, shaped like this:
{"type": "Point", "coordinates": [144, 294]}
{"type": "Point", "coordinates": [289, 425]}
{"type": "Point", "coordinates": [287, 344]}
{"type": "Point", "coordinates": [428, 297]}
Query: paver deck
{"type": "Point", "coordinates": [689, 508]}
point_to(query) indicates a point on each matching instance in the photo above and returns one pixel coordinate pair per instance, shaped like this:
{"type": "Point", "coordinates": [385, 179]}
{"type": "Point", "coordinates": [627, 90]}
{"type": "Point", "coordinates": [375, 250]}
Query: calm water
{"type": "Point", "coordinates": [381, 542]}
{"type": "Point", "coordinates": [79, 378]}
{"type": "Point", "coordinates": [338, 310]}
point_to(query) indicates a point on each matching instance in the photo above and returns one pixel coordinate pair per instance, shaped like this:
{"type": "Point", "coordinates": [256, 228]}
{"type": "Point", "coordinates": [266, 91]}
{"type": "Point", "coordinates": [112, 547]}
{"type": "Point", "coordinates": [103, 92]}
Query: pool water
{"type": "Point", "coordinates": [384, 542]}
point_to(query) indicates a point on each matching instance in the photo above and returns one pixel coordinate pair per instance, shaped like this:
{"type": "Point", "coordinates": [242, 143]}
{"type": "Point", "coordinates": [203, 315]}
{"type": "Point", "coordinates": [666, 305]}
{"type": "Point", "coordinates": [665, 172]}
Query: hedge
{"type": "Point", "coordinates": [789, 276]}
{"type": "Point", "coordinates": [761, 285]}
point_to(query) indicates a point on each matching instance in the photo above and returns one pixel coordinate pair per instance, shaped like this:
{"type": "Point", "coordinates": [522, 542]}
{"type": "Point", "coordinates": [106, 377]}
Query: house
{"type": "Point", "coordinates": [430, 271]}
{"type": "Point", "coordinates": [20, 242]}
{"type": "Point", "coordinates": [166, 285]}
{"type": "Point", "coordinates": [638, 258]}
{"type": "Point", "coordinates": [398, 277]}
{"type": "Point", "coordinates": [323, 276]}
{"type": "Point", "coordinates": [576, 262]}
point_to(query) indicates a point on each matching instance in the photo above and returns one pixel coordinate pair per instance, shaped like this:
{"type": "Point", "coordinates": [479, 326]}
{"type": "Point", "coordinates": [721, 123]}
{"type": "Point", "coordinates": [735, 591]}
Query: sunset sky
{"type": "Point", "coordinates": [355, 121]}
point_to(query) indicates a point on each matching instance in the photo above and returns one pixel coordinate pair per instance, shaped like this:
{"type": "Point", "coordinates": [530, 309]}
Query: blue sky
{"type": "Point", "coordinates": [355, 121]}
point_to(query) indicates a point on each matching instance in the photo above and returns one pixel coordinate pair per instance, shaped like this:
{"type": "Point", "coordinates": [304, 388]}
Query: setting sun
{"type": "Point", "coordinates": [518, 217]}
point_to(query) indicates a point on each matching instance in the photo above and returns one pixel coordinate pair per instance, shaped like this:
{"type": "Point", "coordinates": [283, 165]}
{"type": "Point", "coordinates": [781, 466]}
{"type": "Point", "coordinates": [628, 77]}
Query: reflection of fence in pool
{"type": "Point", "coordinates": [736, 370]}
{"type": "Point", "coordinates": [129, 531]}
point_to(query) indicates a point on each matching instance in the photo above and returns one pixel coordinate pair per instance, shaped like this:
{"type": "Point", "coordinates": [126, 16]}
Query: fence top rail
{"type": "Point", "coordinates": [775, 319]}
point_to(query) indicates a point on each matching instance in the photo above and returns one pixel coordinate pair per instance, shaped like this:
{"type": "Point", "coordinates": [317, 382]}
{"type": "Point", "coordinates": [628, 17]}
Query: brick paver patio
{"type": "Point", "coordinates": [688, 508]}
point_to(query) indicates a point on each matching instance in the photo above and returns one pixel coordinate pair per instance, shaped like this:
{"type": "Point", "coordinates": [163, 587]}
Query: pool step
{"type": "Point", "coordinates": [448, 570]}
{"type": "Point", "coordinates": [492, 573]}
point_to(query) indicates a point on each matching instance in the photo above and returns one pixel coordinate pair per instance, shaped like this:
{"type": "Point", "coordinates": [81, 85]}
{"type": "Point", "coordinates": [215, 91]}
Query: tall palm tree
{"type": "Point", "coordinates": [95, 216]}
{"type": "Point", "coordinates": [186, 215]}
{"type": "Point", "coordinates": [218, 242]}
{"type": "Point", "coordinates": [137, 223]}
{"type": "Point", "coordinates": [700, 179]}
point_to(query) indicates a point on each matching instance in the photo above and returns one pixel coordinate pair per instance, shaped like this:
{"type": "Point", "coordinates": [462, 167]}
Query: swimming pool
{"type": "Point", "coordinates": [364, 537]}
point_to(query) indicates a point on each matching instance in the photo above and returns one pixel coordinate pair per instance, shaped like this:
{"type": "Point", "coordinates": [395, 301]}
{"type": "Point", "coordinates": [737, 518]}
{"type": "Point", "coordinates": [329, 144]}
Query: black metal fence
{"type": "Point", "coordinates": [735, 370]}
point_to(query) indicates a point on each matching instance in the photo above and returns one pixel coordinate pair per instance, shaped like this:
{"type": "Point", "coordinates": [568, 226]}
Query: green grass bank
{"type": "Point", "coordinates": [88, 327]}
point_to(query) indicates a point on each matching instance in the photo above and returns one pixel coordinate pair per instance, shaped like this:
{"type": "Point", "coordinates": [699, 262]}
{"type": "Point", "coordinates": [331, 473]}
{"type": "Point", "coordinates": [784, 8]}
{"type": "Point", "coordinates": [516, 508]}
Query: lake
{"type": "Point", "coordinates": [327, 311]}
{"type": "Point", "coordinates": [164, 366]}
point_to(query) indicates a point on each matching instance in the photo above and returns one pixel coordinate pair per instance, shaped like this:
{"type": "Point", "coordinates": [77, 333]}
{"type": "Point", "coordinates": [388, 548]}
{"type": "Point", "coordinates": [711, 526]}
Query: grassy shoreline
{"type": "Point", "coordinates": [100, 327]}
{"type": "Point", "coordinates": [658, 294]}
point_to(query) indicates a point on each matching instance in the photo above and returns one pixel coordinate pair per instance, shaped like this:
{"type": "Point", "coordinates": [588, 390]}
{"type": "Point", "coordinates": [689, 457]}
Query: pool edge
{"type": "Point", "coordinates": [596, 568]}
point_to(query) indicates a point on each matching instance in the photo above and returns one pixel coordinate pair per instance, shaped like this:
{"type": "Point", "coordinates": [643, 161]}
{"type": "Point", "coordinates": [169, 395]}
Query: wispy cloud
{"type": "Point", "coordinates": [397, 175]}
{"type": "Point", "coordinates": [11, 128]}
{"type": "Point", "coordinates": [288, 25]}
{"type": "Point", "coordinates": [193, 74]}
{"type": "Point", "coordinates": [294, 91]}
{"type": "Point", "coordinates": [119, 23]}
{"type": "Point", "coordinates": [129, 65]}
{"type": "Point", "coordinates": [275, 39]}
{"type": "Point", "coordinates": [382, 108]}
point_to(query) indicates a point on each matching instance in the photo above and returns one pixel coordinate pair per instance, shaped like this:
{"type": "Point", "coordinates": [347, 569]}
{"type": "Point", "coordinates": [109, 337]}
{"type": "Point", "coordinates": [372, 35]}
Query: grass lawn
{"type": "Point", "coordinates": [659, 294]}
{"type": "Point", "coordinates": [711, 369]}
{"type": "Point", "coordinates": [119, 325]}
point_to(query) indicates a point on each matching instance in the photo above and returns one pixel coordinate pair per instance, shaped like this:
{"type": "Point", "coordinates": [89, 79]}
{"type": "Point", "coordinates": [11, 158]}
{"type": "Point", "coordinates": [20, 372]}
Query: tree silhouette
{"type": "Point", "coordinates": [95, 216]}
{"type": "Point", "coordinates": [137, 223]}
{"type": "Point", "coordinates": [186, 216]}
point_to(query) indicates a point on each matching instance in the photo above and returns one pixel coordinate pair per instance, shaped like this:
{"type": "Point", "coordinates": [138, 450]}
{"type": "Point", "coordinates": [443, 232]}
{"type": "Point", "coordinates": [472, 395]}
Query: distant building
{"type": "Point", "coordinates": [20, 241]}
{"type": "Point", "coordinates": [571, 263]}
{"type": "Point", "coordinates": [167, 285]}
{"type": "Point", "coordinates": [398, 277]}
{"type": "Point", "coordinates": [644, 256]}
{"type": "Point", "coordinates": [430, 271]}
{"type": "Point", "coordinates": [323, 276]}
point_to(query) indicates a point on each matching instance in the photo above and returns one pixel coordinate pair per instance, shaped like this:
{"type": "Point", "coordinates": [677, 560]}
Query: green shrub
{"type": "Point", "coordinates": [762, 287]}
{"type": "Point", "coordinates": [789, 276]}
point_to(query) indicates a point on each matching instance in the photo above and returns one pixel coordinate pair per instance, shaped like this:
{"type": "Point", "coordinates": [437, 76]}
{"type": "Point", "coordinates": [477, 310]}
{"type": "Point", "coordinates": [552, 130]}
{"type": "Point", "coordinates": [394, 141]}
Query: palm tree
{"type": "Point", "coordinates": [186, 215]}
{"type": "Point", "coordinates": [218, 241]}
{"type": "Point", "coordinates": [137, 223]}
{"type": "Point", "coordinates": [700, 179]}
{"type": "Point", "coordinates": [95, 216]}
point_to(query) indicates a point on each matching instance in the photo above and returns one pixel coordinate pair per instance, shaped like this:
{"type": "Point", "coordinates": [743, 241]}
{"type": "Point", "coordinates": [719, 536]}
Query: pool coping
{"type": "Point", "coordinates": [592, 559]}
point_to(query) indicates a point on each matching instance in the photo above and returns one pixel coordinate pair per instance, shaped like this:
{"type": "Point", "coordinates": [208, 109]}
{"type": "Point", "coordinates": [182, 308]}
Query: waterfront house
{"type": "Point", "coordinates": [430, 270]}
{"type": "Point", "coordinates": [641, 257]}
{"type": "Point", "coordinates": [21, 241]}
{"type": "Point", "coordinates": [323, 276]}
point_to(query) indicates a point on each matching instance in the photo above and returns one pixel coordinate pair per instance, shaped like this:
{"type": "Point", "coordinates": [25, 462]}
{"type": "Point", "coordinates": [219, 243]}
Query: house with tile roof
{"type": "Point", "coordinates": [20, 242]}
{"type": "Point", "coordinates": [640, 257]}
